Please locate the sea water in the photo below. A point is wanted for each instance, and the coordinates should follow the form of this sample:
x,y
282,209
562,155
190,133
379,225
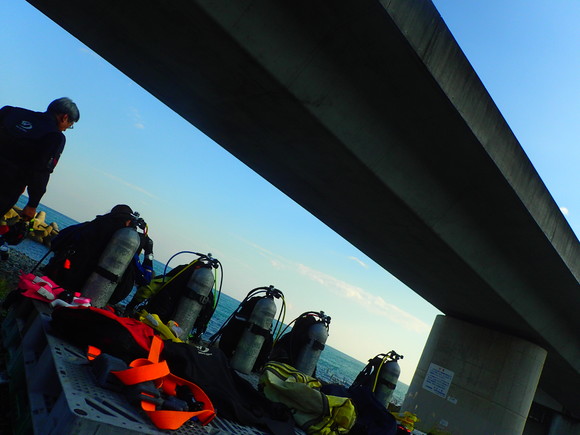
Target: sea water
x,y
333,366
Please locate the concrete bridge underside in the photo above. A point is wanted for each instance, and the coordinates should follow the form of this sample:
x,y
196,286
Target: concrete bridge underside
x,y
368,115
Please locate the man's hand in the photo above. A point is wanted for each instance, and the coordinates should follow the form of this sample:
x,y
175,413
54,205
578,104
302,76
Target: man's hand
x,y
28,213
148,248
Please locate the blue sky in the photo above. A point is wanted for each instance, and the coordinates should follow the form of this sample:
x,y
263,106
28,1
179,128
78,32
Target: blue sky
x,y
130,148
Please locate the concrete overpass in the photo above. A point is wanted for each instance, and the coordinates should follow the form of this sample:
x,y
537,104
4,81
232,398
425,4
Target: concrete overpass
x,y
368,115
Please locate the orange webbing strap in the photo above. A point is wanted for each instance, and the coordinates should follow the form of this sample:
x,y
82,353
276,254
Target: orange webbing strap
x,y
142,370
93,352
150,369
174,419
145,369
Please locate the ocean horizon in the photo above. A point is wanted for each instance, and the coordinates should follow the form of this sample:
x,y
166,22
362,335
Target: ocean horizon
x,y
333,366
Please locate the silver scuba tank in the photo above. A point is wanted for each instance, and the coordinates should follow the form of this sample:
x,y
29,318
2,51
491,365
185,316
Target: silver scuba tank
x,y
117,255
387,378
252,338
195,297
310,353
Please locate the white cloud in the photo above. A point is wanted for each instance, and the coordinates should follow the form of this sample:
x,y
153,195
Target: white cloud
x,y
372,303
136,117
564,211
277,261
129,185
359,261
84,49
276,264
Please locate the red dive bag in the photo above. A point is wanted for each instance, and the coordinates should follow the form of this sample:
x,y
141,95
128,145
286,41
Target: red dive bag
x,y
122,337
135,343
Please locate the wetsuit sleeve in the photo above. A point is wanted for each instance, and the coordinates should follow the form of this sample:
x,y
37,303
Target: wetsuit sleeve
x,y
3,112
37,187
39,172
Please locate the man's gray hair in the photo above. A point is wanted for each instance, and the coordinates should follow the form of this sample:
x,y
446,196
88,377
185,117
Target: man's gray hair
x,y
65,106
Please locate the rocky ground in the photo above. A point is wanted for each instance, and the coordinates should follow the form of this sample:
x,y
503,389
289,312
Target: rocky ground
x,y
10,270
16,264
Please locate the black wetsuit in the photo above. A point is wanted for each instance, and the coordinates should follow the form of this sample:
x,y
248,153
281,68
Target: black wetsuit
x,y
78,249
30,146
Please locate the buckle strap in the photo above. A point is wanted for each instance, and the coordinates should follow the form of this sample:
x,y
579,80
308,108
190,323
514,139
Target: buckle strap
x,y
190,294
106,274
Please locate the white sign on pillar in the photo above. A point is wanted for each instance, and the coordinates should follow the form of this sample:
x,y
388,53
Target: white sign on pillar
x,y
438,380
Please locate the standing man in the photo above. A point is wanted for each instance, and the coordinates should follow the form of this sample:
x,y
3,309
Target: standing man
x,y
30,145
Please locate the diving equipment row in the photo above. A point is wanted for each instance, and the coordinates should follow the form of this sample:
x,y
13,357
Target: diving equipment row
x,y
251,336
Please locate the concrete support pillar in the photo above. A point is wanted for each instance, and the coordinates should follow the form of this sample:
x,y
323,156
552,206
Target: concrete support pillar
x,y
564,426
473,380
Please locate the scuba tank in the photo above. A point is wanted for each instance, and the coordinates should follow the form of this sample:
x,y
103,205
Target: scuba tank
x,y
194,298
388,376
114,260
246,336
253,336
381,375
183,295
310,352
302,345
